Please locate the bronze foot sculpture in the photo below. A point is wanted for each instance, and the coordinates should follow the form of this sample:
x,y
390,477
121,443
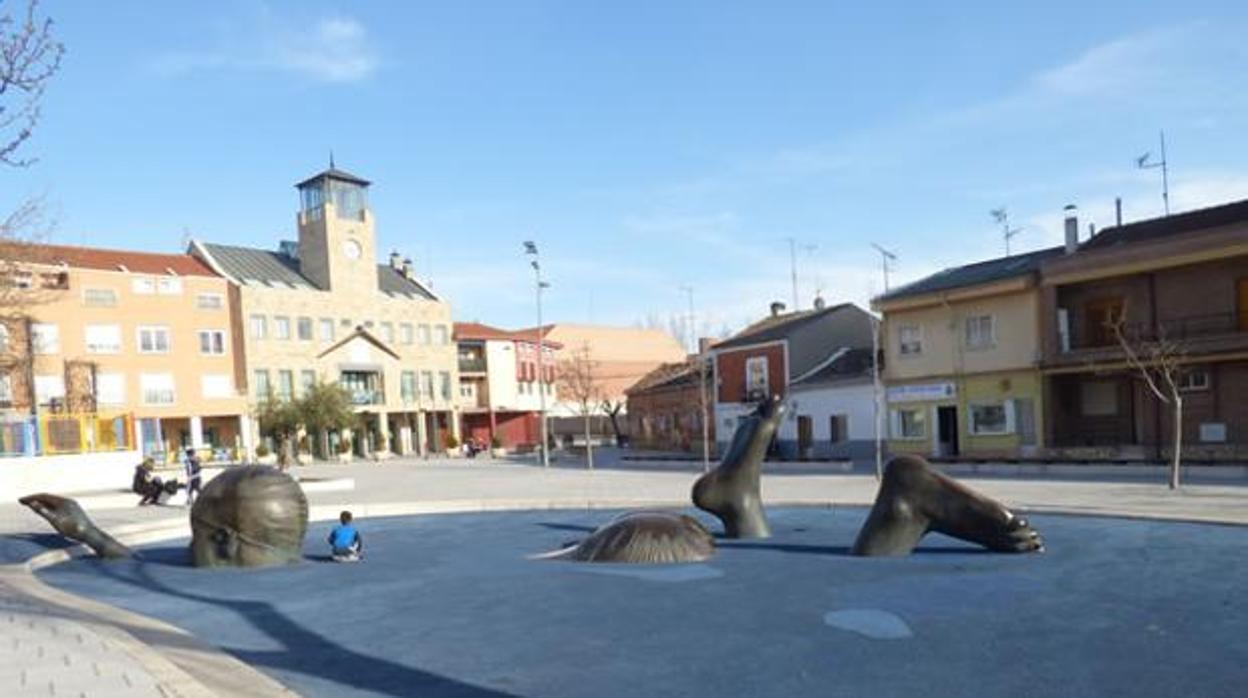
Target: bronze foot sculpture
x,y
249,516
914,499
641,537
731,490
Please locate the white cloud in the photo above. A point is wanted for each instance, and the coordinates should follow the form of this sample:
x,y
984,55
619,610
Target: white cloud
x,y
327,49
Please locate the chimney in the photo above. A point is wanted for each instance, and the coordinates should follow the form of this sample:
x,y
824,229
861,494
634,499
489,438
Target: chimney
x,y
407,268
776,308
705,344
1072,228
1118,210
395,260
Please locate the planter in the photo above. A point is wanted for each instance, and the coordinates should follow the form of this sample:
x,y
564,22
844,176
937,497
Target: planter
x,y
498,452
270,459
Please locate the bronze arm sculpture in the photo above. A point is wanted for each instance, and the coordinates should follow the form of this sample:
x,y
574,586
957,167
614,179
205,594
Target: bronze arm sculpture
x,y
915,499
642,537
731,490
249,516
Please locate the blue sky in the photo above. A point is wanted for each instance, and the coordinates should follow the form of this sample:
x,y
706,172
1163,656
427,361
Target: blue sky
x,y
645,145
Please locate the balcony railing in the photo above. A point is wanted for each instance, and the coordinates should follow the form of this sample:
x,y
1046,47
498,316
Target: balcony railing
x,y
1174,329
367,397
472,365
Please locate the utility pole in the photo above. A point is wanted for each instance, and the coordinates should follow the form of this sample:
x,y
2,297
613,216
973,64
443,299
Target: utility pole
x,y
530,248
886,258
1143,164
697,352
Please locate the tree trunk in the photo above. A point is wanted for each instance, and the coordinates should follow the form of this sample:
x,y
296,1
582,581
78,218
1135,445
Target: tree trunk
x,y
589,447
1176,457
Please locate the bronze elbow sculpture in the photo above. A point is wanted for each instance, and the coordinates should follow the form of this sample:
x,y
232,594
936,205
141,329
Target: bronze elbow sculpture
x,y
642,537
915,499
250,516
731,491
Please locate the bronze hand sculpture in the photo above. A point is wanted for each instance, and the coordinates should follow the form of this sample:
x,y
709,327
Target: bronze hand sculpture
x,y
71,521
731,491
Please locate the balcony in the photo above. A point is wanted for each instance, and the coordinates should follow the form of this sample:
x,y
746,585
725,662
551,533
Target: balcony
x,y
367,397
1196,334
472,365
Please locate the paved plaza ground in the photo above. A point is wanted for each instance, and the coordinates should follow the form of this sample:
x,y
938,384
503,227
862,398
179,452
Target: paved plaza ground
x,y
1133,606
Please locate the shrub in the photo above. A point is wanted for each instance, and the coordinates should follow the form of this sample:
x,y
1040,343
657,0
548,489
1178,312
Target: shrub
x,y
262,451
451,441
496,442
344,446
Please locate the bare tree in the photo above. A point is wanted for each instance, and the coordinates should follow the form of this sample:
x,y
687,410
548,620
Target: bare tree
x,y
1158,362
577,380
612,409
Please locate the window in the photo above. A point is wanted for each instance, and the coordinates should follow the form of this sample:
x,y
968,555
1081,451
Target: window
x,y
467,390
444,377
909,424
307,380
407,386
216,385
261,387
756,379
49,388
1098,399
303,326
426,384
387,332
6,387
45,338
910,339
838,428
209,301
156,388
441,335
281,327
143,285
1193,379
285,384
991,418
422,334
4,337
212,342
259,327
979,332
110,388
154,340
169,286
99,297
327,329
405,333
102,339
1100,318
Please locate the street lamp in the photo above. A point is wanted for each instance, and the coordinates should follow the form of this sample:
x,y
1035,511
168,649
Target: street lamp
x,y
697,351
530,248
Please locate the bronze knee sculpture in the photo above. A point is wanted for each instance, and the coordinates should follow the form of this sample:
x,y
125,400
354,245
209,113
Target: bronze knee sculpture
x,y
644,537
250,516
731,490
914,499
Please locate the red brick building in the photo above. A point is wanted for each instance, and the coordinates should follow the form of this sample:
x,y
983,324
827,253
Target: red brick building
x,y
665,407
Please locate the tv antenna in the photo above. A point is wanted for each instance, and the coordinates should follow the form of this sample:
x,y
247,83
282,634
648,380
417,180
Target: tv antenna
x,y
886,258
1142,163
1002,217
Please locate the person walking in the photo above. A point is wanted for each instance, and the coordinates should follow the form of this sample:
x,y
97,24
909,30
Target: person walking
x,y
193,480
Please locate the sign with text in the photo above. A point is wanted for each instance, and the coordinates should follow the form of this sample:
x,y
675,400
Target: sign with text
x,y
922,392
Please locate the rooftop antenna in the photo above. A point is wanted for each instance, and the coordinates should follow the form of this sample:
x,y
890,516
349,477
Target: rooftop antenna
x,y
1002,217
885,258
793,270
809,249
1143,163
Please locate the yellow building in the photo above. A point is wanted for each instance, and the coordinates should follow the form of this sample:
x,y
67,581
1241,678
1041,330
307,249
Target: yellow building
x,y
323,309
122,336
962,355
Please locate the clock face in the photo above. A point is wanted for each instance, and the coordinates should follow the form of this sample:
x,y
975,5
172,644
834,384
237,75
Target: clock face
x,y
351,248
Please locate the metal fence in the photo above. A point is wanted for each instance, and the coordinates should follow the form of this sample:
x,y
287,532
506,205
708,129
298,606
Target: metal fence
x,y
61,434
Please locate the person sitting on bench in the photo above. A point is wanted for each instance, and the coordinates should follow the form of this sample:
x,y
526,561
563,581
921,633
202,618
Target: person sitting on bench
x,y
344,541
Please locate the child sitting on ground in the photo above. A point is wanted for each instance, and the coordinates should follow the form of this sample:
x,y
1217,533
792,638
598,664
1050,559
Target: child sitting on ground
x,y
344,541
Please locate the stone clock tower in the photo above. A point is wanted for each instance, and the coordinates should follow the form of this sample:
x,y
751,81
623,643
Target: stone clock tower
x,y
337,242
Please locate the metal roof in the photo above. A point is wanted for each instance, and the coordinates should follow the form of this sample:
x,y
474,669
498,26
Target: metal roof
x,y
975,274
273,269
334,173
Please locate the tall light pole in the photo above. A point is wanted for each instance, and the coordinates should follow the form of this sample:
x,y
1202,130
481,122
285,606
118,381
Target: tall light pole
x,y
697,352
530,248
1143,163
